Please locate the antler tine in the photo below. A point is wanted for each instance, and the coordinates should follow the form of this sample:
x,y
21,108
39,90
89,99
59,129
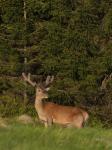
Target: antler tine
x,y
29,76
52,79
28,79
49,80
110,76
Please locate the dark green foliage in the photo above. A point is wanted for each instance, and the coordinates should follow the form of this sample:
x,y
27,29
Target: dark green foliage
x,y
69,39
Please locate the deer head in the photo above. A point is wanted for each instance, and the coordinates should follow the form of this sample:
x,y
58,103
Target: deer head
x,y
41,88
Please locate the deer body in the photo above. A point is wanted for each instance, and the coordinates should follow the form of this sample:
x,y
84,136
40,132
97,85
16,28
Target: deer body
x,y
64,115
53,113
50,113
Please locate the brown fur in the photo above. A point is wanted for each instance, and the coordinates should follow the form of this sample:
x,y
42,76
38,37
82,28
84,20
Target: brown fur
x,y
53,113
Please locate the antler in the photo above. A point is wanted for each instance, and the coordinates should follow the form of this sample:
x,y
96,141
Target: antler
x,y
49,80
28,79
105,81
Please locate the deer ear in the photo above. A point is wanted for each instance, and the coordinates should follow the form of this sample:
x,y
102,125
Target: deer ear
x,y
47,89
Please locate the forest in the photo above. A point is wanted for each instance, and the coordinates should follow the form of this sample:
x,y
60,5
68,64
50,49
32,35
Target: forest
x,y
69,39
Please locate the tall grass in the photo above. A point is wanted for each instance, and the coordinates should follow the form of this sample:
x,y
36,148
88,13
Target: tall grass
x,y
32,137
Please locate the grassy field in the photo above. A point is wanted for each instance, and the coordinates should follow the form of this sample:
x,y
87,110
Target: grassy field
x,y
36,137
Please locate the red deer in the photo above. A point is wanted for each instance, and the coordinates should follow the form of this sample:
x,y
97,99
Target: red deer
x,y
50,112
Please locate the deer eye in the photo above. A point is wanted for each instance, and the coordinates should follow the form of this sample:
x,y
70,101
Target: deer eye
x,y
39,90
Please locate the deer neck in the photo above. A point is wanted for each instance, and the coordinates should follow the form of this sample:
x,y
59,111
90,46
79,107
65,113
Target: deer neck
x,y
39,106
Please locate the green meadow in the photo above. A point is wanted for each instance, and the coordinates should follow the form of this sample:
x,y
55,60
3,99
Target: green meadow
x,y
35,137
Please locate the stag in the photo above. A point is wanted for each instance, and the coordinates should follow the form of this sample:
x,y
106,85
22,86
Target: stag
x,y
50,112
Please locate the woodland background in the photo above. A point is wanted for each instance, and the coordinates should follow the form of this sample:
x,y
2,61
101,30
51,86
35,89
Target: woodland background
x,y
70,39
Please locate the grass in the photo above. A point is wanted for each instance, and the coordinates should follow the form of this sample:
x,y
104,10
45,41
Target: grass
x,y
36,137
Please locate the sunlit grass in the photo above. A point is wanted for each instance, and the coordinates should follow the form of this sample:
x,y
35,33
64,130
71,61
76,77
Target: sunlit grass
x,y
36,137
